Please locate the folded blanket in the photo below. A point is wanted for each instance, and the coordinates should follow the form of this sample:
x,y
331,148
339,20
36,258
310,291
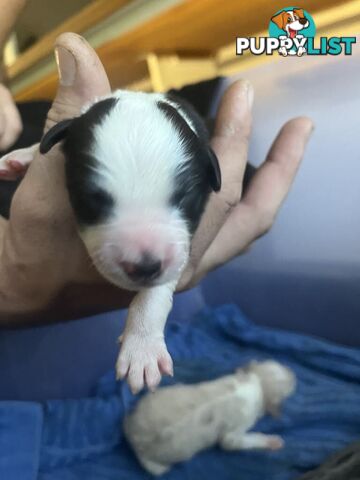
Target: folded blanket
x,y
78,439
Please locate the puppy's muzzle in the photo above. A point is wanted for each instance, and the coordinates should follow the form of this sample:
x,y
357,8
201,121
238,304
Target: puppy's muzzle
x,y
149,268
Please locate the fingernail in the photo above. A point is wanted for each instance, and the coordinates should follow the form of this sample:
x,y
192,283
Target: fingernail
x,y
311,130
66,65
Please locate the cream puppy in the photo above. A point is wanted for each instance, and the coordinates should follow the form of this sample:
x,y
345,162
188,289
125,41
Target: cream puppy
x,y
174,423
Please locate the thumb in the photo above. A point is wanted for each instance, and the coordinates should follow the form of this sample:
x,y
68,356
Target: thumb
x,y
82,78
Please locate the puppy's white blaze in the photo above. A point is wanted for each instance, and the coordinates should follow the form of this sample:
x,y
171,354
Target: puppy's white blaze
x,y
138,163
155,97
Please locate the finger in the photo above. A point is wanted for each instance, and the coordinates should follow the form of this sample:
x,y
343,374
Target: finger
x,y
230,143
231,138
82,77
10,120
12,130
2,120
272,182
268,189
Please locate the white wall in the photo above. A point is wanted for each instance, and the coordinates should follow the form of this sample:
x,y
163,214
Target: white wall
x,y
320,221
305,274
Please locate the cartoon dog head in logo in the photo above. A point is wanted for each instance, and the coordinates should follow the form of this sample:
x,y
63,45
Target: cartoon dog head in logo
x,y
291,21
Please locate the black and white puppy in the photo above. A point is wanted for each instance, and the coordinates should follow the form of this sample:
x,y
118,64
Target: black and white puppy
x,y
139,171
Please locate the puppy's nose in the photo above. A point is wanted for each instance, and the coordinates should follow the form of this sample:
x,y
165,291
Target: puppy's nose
x,y
148,268
303,21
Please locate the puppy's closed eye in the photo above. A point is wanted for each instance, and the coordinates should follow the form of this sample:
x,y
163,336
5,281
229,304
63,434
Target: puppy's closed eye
x,y
92,205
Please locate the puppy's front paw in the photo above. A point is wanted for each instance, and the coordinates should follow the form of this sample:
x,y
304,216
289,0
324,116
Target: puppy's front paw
x,y
143,360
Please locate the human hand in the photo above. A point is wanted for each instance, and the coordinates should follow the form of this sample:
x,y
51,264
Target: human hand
x,y
234,219
10,120
45,271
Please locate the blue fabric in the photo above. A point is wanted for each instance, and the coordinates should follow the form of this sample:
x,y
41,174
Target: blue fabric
x,y
20,440
78,439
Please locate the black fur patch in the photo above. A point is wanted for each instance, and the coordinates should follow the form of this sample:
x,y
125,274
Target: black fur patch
x,y
197,121
91,204
193,184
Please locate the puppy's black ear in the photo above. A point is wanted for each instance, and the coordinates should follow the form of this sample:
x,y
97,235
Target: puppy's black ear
x,y
55,135
214,170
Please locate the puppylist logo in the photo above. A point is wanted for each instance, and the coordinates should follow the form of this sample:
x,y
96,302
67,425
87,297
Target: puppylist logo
x,y
291,33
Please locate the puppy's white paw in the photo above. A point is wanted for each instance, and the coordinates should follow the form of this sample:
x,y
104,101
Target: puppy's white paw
x,y
143,360
274,442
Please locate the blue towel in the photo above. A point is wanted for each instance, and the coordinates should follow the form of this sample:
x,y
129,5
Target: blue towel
x,y
82,439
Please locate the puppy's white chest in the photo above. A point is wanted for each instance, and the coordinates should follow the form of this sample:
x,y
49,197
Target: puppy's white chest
x,y
247,403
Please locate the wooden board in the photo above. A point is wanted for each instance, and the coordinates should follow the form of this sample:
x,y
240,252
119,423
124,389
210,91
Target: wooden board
x,y
203,25
193,27
89,16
